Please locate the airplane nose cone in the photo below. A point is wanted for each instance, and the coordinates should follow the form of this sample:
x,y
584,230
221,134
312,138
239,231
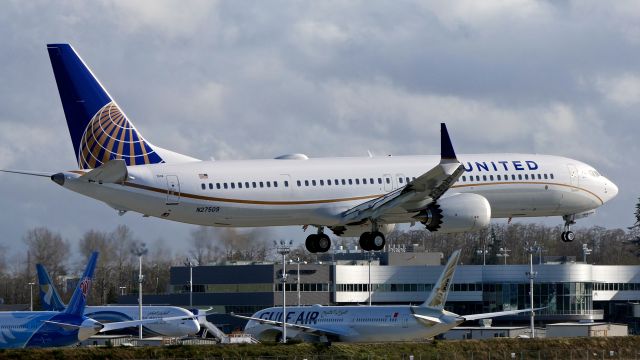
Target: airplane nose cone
x,y
610,189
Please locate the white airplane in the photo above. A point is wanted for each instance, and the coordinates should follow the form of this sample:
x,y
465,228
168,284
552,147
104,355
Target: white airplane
x,y
29,329
362,197
319,323
184,322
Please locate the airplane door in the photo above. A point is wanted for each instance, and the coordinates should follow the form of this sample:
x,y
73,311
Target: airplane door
x,y
574,178
400,180
173,190
387,180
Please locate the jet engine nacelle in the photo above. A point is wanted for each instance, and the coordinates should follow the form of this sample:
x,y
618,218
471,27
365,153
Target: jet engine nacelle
x,y
456,213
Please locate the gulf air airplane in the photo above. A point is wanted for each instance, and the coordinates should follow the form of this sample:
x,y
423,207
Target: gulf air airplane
x,y
319,323
350,196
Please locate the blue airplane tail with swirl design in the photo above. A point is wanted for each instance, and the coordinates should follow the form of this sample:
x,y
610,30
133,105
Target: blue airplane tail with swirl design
x,y
79,298
100,131
50,300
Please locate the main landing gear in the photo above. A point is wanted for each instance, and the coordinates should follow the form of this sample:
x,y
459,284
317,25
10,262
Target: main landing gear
x,y
318,243
373,240
568,235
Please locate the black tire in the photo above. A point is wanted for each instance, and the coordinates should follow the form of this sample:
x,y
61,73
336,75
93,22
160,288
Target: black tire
x,y
377,241
570,236
323,243
365,241
311,243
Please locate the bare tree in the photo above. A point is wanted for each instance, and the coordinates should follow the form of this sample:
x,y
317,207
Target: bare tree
x,y
49,249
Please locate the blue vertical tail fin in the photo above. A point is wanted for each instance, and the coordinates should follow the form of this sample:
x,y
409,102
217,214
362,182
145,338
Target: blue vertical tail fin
x,y
99,129
49,297
79,298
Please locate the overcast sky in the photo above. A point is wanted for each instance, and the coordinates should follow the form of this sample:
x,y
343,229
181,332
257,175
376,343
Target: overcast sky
x,y
257,79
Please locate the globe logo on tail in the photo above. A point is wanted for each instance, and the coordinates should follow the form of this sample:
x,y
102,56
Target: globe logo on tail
x,y
110,135
84,287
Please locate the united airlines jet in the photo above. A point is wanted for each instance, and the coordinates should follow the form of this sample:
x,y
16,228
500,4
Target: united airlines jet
x,y
26,329
184,321
319,323
362,197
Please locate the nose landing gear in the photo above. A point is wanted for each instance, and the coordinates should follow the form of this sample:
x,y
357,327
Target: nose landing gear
x,y
568,235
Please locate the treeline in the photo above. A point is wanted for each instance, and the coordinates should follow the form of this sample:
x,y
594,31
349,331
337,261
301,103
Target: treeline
x,y
117,269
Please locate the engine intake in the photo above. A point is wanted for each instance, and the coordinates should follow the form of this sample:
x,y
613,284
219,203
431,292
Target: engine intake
x,y
456,213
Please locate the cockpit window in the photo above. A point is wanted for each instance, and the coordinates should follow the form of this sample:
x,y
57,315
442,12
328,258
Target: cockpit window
x,y
593,173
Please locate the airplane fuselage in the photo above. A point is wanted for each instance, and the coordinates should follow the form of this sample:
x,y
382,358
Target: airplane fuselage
x,y
276,192
355,323
20,329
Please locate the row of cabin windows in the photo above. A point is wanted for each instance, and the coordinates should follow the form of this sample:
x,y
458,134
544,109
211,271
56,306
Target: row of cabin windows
x,y
472,178
245,185
356,181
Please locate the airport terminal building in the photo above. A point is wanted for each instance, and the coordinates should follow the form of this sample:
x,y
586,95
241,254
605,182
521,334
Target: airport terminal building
x,y
569,291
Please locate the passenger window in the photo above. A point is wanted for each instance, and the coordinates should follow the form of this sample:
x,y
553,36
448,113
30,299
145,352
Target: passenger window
x,y
306,183
371,181
545,176
225,186
513,176
539,176
414,178
400,180
519,176
484,177
239,185
350,182
254,184
275,184
357,181
388,180
233,185
364,181
464,178
261,184
217,185
491,177
298,183
408,180
329,182
268,184
321,182
246,184
203,187
335,181
379,180
344,182
286,183
499,177
526,176
313,182
551,175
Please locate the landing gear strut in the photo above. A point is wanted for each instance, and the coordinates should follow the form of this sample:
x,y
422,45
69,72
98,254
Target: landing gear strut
x,y
372,241
318,243
568,235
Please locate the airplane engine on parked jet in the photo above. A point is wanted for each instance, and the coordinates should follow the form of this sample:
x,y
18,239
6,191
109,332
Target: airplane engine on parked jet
x,y
456,213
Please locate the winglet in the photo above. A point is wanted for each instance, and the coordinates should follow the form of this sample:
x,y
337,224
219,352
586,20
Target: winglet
x,y
438,295
79,298
446,148
49,297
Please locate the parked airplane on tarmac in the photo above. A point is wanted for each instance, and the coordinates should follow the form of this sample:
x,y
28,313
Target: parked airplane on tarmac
x,y
367,323
20,329
363,197
184,322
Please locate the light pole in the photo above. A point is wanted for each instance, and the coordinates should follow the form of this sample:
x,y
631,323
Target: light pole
x,y
585,251
369,287
139,249
190,263
31,296
531,275
122,288
284,249
504,252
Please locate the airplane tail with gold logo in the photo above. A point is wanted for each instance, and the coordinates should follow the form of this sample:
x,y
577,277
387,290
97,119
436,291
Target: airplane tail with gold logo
x,y
100,131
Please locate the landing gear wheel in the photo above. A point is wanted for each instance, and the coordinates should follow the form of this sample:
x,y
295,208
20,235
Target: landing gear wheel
x,y
323,243
312,243
568,236
377,240
365,241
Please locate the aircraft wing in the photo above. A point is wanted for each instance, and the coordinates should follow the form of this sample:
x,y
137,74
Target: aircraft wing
x,y
496,314
304,328
133,323
417,194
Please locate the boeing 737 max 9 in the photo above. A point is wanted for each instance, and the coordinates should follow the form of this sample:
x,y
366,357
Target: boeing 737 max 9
x,y
363,197
319,323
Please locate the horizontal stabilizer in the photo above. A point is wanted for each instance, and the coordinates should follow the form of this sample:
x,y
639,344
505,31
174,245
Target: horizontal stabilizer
x,y
113,171
497,314
428,319
64,325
